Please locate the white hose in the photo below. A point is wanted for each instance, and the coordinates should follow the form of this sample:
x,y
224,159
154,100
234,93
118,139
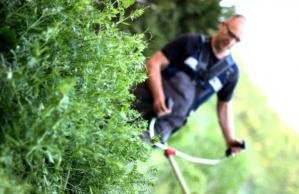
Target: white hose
x,y
179,153
190,158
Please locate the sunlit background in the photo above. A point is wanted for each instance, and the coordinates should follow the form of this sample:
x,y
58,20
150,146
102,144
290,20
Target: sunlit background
x,y
269,52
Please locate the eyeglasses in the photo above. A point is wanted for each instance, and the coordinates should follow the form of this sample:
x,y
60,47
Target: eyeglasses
x,y
232,34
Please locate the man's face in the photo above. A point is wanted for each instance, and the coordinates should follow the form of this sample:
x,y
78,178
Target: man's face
x,y
229,34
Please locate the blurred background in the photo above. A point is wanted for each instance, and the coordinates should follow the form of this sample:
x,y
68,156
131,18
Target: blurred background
x,y
265,102
269,52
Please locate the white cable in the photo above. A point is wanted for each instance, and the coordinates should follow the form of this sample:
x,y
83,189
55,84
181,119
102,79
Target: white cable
x,y
179,153
151,128
188,157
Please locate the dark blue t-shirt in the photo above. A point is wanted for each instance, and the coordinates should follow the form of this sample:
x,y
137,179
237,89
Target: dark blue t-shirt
x,y
180,49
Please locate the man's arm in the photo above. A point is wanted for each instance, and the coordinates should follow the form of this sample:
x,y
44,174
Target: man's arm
x,y
226,122
153,67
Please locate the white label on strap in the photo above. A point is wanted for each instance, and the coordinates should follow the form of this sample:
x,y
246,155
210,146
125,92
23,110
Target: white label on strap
x,y
215,83
191,62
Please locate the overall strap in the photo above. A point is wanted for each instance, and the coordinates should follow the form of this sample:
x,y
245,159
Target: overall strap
x,y
204,72
197,67
220,67
203,52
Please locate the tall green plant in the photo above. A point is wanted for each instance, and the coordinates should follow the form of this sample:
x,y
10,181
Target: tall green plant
x,y
64,103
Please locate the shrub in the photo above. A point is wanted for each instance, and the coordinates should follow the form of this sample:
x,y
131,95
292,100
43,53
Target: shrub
x,y
64,103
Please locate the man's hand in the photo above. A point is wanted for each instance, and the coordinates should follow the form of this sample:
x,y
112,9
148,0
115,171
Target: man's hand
x,y
234,147
157,62
160,107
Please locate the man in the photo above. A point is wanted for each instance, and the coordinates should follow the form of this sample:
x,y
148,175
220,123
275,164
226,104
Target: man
x,y
189,70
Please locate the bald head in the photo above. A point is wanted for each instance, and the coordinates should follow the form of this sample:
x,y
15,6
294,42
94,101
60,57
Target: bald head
x,y
230,32
237,24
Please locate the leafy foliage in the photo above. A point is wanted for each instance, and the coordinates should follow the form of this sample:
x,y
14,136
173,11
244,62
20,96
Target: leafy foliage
x,y
65,120
65,107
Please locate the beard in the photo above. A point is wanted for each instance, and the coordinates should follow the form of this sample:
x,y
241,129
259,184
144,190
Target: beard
x,y
222,45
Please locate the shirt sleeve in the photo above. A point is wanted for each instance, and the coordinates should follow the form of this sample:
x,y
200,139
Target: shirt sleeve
x,y
181,47
226,93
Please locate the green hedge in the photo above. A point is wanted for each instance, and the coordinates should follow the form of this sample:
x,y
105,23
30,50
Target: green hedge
x,y
64,103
